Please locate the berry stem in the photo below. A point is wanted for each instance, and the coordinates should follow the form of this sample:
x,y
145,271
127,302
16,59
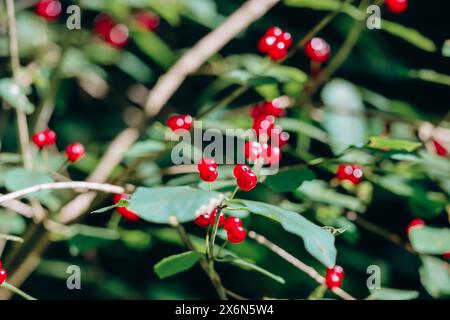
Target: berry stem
x,y
63,166
17,291
114,221
221,248
234,193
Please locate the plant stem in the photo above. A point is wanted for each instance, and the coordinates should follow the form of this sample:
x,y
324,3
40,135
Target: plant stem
x,y
10,237
234,193
17,291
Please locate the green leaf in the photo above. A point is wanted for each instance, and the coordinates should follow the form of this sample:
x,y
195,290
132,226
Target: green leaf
x,y
154,47
19,178
435,276
14,95
11,222
393,144
86,237
408,34
145,148
430,240
446,48
392,294
158,205
318,242
177,263
289,179
250,266
317,190
134,67
430,76
136,239
120,203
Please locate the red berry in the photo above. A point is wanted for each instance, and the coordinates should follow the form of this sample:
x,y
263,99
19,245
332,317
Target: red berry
x,y
212,218
286,37
263,124
232,223
397,6
265,43
274,31
246,180
118,36
277,51
239,169
125,212
183,121
50,10
39,139
445,255
440,149
236,235
103,24
207,168
276,107
74,152
334,276
317,50
271,154
50,136
252,150
3,276
353,173
147,20
415,223
279,137
202,220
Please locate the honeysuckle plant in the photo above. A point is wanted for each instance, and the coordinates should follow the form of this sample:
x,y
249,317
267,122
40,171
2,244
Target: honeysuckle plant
x,y
192,140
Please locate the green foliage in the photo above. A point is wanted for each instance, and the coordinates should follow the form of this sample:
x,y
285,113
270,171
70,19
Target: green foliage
x,y
177,263
428,240
289,179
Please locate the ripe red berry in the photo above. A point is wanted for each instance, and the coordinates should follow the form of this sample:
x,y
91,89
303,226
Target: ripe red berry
x,y
265,43
415,223
397,6
239,169
202,220
352,173
50,10
118,36
39,139
274,31
50,136
271,154
207,168
252,150
103,24
232,223
263,124
275,43
317,50
236,235
183,121
440,149
147,20
3,275
279,137
246,180
445,255
74,152
334,276
212,218
278,51
125,212
114,34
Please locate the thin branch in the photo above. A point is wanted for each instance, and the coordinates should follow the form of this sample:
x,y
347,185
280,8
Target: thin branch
x,y
310,271
10,237
17,291
63,185
19,207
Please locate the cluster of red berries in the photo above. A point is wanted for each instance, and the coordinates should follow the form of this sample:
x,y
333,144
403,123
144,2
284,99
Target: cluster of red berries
x,y
397,6
270,136
183,121
50,10
232,225
128,214
350,172
275,43
334,277
317,50
74,151
3,274
116,34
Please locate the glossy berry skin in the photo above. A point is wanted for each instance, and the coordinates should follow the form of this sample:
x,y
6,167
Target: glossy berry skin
x,y
415,223
74,152
397,6
183,121
212,218
50,10
3,275
50,136
352,173
147,20
263,124
275,108
279,137
236,235
271,154
112,33
440,149
231,223
207,168
125,212
334,276
39,139
202,220
252,150
247,180
275,43
317,50
240,169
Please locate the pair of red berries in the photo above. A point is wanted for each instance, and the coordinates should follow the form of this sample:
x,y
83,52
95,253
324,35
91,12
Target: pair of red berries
x,y
275,43
350,172
3,274
397,6
270,154
44,138
115,34
232,225
125,212
50,10
334,277
178,122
